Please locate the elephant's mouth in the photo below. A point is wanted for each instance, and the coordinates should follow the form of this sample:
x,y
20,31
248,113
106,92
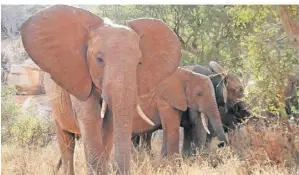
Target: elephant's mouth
x,y
138,109
97,91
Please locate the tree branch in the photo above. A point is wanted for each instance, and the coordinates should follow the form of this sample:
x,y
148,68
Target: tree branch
x,y
289,25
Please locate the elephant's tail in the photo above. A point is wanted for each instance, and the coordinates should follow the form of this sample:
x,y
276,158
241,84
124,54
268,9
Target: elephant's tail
x,y
59,164
60,159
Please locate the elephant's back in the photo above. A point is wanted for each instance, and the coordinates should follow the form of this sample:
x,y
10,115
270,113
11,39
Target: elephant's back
x,y
199,69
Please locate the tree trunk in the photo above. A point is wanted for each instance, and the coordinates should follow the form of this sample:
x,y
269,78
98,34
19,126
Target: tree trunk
x,y
289,26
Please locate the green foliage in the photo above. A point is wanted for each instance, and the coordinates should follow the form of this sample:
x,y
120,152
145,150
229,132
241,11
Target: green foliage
x,y
270,55
189,59
295,105
9,112
24,128
32,130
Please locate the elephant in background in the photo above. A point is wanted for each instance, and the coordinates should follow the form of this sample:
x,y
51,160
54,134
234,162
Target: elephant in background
x,y
228,89
232,110
184,89
89,61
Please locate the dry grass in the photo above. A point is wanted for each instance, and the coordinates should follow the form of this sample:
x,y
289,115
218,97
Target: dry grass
x,y
265,151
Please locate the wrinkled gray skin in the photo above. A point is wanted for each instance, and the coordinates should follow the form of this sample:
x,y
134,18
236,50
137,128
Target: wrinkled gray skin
x,y
193,130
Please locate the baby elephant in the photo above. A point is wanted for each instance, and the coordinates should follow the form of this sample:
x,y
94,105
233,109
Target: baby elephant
x,y
185,89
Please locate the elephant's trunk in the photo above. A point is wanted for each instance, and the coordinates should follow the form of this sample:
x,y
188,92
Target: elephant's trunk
x,y
215,120
123,106
120,93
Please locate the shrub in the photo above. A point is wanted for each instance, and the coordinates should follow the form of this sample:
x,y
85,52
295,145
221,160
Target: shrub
x,y
32,130
9,112
266,146
24,128
189,59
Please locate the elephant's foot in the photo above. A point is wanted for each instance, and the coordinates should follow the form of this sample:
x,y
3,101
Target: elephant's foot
x,y
189,152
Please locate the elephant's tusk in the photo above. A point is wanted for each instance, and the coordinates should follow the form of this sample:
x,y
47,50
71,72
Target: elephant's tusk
x,y
143,116
104,107
204,122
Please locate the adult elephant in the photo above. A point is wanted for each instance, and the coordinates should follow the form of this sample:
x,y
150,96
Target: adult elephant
x,y
91,60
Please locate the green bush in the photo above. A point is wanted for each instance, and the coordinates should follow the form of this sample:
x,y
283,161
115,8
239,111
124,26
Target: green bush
x,y
32,130
294,105
9,112
24,128
189,59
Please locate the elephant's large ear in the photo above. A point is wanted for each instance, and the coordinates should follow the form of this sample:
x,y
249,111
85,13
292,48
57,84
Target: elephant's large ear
x,y
56,40
161,52
173,91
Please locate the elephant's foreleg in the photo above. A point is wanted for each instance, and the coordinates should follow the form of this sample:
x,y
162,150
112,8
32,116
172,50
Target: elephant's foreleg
x,y
199,133
187,149
66,142
170,118
164,144
90,124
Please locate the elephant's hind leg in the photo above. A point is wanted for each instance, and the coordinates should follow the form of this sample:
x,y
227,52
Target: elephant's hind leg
x,y
66,142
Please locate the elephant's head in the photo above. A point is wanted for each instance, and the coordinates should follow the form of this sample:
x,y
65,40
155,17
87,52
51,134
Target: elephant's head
x,y
87,55
217,80
236,115
234,84
186,89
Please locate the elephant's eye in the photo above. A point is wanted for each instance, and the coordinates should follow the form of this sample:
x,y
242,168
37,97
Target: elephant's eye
x,y
140,62
199,93
100,60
